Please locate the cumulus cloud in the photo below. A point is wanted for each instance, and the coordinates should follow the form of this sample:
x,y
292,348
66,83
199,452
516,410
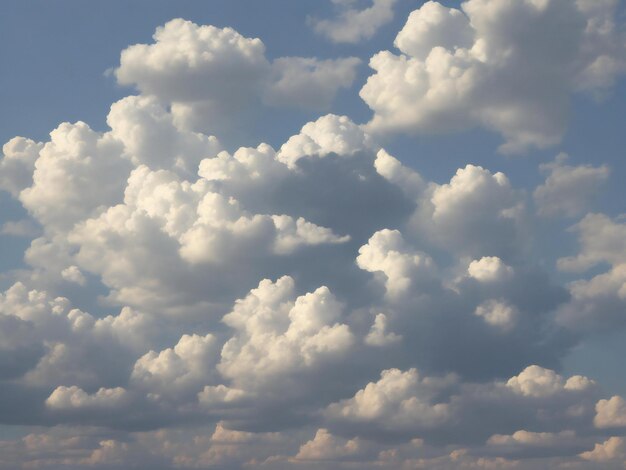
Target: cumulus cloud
x,y
279,334
477,67
568,190
64,398
387,253
324,446
478,213
211,75
353,25
597,303
489,269
613,449
611,413
190,303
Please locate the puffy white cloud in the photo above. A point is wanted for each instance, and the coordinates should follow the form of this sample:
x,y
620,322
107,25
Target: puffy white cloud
x,y
386,252
477,67
324,446
63,190
398,400
73,274
489,269
614,448
173,371
601,239
191,224
353,25
597,303
329,134
568,190
498,314
528,438
378,334
212,75
535,381
152,137
278,333
478,213
611,413
17,164
71,398
157,219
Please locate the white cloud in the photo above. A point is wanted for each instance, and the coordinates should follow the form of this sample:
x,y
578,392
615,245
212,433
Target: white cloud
x,y
489,269
324,446
69,398
17,164
569,190
386,252
378,334
353,25
611,413
536,381
478,213
476,67
278,333
329,134
614,448
498,314
398,400
173,371
597,303
216,73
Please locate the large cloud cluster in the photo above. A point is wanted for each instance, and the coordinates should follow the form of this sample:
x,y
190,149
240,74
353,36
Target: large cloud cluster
x,y
320,304
508,66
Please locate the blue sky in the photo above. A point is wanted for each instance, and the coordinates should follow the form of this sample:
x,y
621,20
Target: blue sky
x,y
511,284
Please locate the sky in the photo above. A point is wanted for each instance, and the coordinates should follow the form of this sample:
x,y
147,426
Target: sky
x,y
313,234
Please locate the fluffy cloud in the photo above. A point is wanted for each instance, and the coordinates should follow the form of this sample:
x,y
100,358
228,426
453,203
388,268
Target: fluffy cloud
x,y
489,269
398,400
568,190
603,296
478,213
16,167
353,25
611,413
277,334
476,67
613,449
64,398
386,252
324,446
212,75
63,192
318,302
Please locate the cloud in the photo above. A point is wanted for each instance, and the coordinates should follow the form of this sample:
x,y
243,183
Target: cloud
x,y
597,303
475,67
324,447
190,303
353,25
614,448
611,413
568,190
63,398
213,76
